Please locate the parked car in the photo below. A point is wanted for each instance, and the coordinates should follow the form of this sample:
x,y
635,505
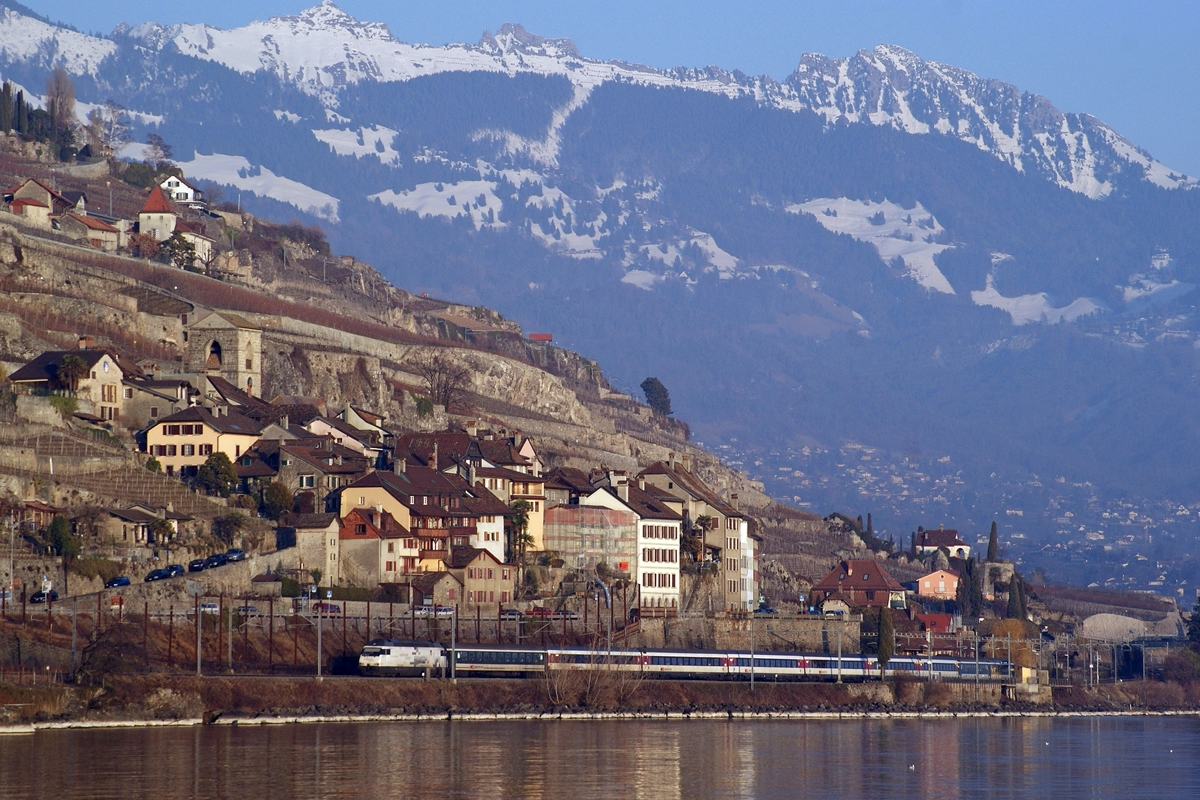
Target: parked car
x,y
563,613
247,611
157,575
433,611
210,608
765,609
236,554
42,597
539,611
510,613
216,560
324,607
196,565
113,583
174,570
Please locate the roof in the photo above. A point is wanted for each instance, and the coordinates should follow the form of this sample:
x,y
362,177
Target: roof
x,y
21,202
451,448
502,452
92,223
193,230
308,521
570,478
425,582
938,571
687,482
942,537
859,575
132,515
388,527
231,422
45,366
646,505
233,319
368,416
461,557
157,203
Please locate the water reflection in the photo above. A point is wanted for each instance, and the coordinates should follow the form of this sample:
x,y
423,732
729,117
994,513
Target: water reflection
x,y
653,760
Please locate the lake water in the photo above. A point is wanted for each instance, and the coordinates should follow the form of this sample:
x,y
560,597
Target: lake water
x,y
932,758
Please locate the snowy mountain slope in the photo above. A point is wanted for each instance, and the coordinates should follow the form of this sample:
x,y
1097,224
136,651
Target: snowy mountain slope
x,y
892,86
324,51
26,39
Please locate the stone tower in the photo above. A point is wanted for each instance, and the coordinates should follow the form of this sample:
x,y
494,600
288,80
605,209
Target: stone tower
x,y
229,346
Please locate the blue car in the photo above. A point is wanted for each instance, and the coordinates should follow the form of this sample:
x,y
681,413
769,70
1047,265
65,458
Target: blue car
x,y
216,560
113,583
174,570
157,575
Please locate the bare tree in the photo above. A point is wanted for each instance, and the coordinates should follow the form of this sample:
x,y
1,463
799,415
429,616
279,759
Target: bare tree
x,y
107,129
60,99
157,153
446,380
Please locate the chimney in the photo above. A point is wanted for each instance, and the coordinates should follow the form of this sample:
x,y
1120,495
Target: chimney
x,y
642,484
623,491
471,475
434,463
87,342
733,501
687,463
472,428
399,466
283,421
671,460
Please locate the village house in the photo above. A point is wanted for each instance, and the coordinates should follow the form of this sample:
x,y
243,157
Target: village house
x,y
655,565
157,216
183,441
941,584
374,549
310,541
146,400
92,231
485,579
926,542
310,468
100,383
863,582
180,190
35,194
727,538
434,589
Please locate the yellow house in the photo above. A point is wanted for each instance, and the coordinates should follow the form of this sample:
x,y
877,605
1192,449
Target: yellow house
x,y
184,440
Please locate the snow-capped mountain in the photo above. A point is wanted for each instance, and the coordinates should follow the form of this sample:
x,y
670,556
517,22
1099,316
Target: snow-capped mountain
x,y
323,50
27,40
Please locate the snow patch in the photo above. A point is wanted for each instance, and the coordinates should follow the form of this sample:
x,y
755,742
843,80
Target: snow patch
x,y
1029,308
474,199
236,171
374,141
643,279
287,115
909,234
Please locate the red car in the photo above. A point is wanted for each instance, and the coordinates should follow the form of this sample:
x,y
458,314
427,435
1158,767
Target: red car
x,y
323,607
539,611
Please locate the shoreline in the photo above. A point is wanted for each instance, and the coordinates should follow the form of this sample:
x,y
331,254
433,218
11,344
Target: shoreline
x,y
234,719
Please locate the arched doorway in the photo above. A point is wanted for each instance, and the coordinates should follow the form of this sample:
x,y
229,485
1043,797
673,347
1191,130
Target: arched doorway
x,y
214,356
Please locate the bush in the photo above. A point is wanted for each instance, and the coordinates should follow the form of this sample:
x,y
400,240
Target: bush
x,y
1182,666
102,568
64,405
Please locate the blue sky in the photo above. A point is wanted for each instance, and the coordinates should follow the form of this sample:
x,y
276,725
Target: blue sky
x,y
1133,65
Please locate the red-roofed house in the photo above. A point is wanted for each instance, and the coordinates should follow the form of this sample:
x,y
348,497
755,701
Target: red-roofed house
x,y
925,542
91,230
157,216
374,548
864,581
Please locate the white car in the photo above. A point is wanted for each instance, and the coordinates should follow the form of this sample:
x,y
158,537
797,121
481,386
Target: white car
x,y
440,612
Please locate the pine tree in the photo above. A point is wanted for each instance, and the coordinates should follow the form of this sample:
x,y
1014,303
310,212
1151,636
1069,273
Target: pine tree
x,y
993,544
657,396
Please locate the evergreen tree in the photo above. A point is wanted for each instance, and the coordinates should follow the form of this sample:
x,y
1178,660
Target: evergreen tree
x,y
1016,601
217,474
65,543
657,396
1193,625
993,544
6,107
887,640
21,114
870,525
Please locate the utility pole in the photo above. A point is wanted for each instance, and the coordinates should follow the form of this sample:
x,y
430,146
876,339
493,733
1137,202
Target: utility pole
x,y
319,607
752,653
839,663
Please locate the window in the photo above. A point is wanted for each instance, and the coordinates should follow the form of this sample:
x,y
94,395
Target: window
x,y
504,574
187,450
307,481
360,529
249,363
170,449
389,566
391,547
153,412
245,461
206,450
128,393
172,430
450,594
237,450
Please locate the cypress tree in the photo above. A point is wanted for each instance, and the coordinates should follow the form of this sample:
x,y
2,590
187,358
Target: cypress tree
x,y
993,544
21,114
887,640
870,525
1016,602
6,107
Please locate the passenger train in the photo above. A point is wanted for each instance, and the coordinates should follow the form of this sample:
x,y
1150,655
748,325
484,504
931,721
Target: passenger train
x,y
395,657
